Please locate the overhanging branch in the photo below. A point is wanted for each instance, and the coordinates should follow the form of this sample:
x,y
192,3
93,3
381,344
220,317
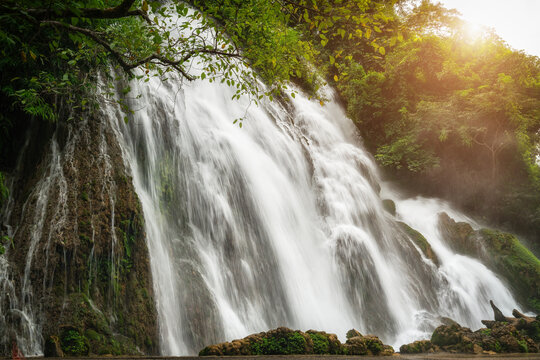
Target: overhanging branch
x,y
154,58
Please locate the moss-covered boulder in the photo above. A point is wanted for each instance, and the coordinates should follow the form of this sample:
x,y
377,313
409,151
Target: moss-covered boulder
x,y
281,341
500,337
502,253
366,345
325,343
284,341
420,241
352,333
417,347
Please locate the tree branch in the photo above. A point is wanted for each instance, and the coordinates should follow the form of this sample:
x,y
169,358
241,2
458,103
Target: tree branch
x,y
154,58
120,11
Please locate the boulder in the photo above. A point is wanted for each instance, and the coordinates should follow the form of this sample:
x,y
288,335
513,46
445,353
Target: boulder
x,y
284,341
420,241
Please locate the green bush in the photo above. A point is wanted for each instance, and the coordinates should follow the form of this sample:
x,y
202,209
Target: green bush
x,y
292,343
320,343
73,343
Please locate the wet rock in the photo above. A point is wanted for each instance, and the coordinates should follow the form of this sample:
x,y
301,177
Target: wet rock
x,y
353,333
420,241
499,337
447,321
356,346
417,347
390,206
366,345
284,341
500,252
90,269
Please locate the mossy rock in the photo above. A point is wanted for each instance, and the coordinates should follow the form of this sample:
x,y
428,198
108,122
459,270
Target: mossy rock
x,y
421,242
445,335
417,347
502,253
284,341
500,337
390,206
516,263
281,341
366,345
324,343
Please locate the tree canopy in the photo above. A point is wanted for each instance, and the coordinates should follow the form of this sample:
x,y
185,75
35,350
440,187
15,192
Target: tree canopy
x,y
433,106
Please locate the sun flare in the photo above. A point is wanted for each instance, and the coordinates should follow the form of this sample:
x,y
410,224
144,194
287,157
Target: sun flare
x,y
473,31
516,23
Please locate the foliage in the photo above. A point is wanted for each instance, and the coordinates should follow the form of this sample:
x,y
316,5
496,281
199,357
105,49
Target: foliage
x,y
289,343
453,116
320,343
73,343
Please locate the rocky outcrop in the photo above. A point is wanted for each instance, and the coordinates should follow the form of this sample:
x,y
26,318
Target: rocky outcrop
x,y
389,206
79,251
502,253
513,335
420,241
284,341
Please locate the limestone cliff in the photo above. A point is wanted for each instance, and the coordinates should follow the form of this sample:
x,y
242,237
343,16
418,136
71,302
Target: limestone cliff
x,y
75,274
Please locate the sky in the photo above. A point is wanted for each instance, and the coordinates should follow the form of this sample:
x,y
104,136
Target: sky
x,y
516,21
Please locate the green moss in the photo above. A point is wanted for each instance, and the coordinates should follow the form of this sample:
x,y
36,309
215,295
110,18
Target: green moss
x,y
486,331
523,346
320,343
73,343
148,342
516,263
374,345
92,335
286,344
84,238
2,249
84,196
446,335
420,241
533,331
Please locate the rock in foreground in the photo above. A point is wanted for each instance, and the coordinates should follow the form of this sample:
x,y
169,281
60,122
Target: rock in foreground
x,y
284,341
520,334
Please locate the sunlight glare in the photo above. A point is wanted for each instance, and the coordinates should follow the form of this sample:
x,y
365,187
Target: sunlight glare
x,y
473,31
515,21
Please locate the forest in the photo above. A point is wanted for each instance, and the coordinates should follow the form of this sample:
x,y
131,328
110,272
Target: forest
x,y
444,114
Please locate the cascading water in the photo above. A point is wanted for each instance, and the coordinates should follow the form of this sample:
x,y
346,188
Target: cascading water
x,y
280,224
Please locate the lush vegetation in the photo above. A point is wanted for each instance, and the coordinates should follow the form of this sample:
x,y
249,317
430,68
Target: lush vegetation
x,y
448,115
453,116
284,341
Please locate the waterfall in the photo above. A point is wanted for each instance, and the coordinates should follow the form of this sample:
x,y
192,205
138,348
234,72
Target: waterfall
x,y
280,223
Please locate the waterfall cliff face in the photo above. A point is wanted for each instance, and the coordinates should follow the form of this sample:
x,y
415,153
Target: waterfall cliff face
x,y
280,223
76,264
